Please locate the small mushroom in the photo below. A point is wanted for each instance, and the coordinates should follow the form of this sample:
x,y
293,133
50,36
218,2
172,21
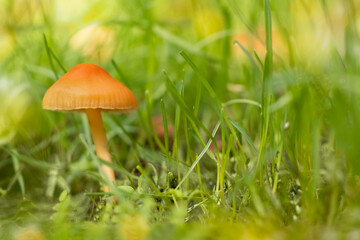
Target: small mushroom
x,y
88,88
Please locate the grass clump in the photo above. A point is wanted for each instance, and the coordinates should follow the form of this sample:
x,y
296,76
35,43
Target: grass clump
x,y
247,125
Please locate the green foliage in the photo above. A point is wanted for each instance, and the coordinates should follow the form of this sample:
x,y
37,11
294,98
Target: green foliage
x,y
247,125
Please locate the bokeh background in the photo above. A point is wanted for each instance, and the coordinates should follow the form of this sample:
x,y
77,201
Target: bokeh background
x,y
145,37
314,109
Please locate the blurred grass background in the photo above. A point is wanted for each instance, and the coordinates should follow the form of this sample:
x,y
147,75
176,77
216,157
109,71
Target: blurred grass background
x,y
281,101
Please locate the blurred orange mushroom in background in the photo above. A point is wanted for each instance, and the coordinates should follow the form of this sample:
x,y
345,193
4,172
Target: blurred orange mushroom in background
x,y
256,43
95,41
90,89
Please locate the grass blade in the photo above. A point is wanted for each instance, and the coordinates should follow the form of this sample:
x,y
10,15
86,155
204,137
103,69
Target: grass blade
x,y
246,101
258,59
42,165
246,136
253,64
268,67
121,74
48,52
165,124
57,60
17,169
177,97
203,80
199,156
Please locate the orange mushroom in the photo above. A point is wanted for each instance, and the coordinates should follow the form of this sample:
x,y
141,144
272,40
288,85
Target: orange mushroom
x,y
90,89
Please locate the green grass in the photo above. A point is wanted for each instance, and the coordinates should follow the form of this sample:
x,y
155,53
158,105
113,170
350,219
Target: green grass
x,y
247,126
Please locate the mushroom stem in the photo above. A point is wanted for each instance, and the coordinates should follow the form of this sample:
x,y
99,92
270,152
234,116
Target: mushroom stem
x,y
101,144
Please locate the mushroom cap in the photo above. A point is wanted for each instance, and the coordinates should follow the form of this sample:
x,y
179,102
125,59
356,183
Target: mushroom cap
x,y
88,86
